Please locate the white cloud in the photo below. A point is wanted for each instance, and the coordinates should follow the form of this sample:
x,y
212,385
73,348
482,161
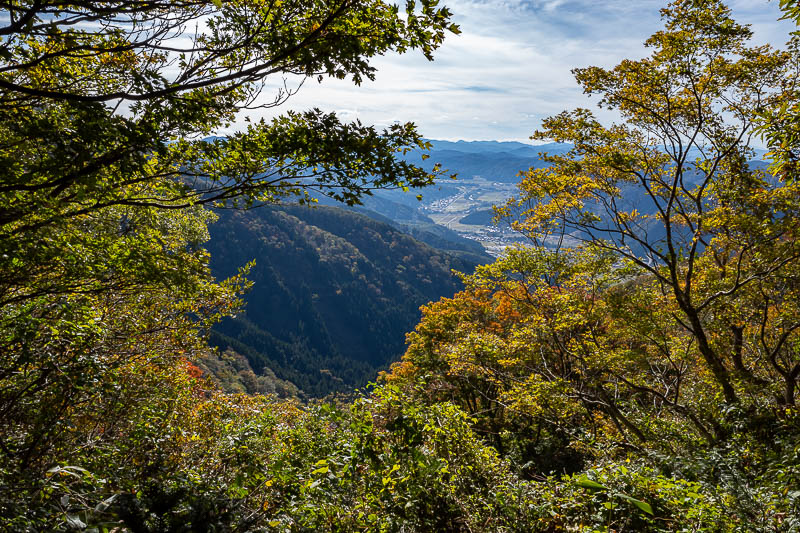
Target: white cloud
x,y
511,66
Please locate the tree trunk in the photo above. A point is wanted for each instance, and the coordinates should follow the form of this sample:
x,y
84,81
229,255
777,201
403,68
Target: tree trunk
x,y
714,364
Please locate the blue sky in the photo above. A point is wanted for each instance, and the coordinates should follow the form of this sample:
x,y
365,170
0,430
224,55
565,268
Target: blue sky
x,y
510,67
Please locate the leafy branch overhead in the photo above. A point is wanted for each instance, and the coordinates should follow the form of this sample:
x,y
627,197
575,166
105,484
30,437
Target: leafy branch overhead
x,y
113,87
153,51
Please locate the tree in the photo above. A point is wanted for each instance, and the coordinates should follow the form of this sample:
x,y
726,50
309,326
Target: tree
x,y
105,175
672,190
780,124
120,94
657,310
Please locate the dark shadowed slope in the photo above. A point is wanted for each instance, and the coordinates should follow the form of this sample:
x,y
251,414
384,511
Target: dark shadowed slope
x,y
335,292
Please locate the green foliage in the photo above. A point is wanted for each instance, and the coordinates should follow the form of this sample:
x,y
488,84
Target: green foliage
x,y
105,176
670,191
189,459
393,464
232,372
780,124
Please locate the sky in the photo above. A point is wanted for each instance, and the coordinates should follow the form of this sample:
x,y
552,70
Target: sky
x,y
510,67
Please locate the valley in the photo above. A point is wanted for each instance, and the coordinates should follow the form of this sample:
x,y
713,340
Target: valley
x,y
469,213
486,175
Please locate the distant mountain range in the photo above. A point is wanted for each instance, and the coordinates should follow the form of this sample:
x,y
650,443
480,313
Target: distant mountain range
x,y
490,160
510,147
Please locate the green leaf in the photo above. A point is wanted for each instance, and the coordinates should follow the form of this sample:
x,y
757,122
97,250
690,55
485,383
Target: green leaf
x,y
643,506
587,483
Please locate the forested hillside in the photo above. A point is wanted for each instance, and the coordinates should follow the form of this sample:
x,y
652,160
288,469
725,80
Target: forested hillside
x,y
334,292
402,212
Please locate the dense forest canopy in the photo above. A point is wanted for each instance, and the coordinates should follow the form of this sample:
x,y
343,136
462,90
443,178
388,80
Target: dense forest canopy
x,y
636,369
